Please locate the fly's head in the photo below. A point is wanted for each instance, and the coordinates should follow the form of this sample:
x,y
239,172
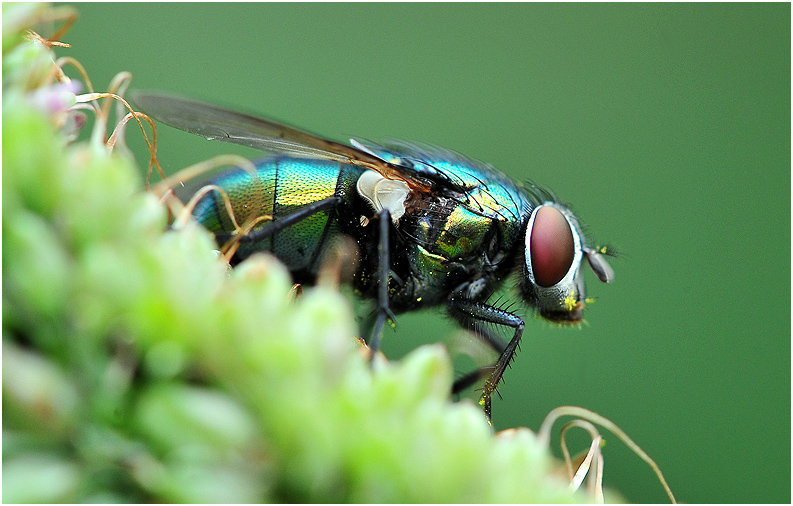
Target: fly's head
x,y
555,248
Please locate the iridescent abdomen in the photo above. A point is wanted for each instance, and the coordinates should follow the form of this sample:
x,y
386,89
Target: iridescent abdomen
x,y
284,185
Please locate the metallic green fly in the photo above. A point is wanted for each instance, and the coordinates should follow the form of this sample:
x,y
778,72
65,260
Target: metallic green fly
x,y
433,227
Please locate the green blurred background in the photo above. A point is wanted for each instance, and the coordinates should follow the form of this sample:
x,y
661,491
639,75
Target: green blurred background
x,y
666,126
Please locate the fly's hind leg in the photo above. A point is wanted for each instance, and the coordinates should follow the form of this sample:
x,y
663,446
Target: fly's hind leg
x,y
281,223
467,311
229,242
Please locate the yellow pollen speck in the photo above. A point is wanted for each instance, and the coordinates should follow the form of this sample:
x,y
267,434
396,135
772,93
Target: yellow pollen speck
x,y
570,302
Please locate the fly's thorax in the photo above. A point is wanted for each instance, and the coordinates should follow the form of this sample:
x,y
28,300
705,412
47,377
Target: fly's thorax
x,y
555,248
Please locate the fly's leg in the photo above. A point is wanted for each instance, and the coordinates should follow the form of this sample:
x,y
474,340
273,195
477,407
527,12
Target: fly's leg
x,y
384,262
383,275
470,379
475,376
287,221
466,310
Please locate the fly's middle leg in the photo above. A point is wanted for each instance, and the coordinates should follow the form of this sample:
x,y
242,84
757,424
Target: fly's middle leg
x,y
383,275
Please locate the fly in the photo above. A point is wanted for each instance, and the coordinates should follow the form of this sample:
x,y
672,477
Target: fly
x,y
434,228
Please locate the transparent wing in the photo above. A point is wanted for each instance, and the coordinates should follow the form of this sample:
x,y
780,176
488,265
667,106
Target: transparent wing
x,y
217,123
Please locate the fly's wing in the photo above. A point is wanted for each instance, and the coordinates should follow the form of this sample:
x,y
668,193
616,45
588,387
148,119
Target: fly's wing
x,y
218,123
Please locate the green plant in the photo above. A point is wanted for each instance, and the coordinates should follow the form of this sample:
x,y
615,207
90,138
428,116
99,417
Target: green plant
x,y
138,367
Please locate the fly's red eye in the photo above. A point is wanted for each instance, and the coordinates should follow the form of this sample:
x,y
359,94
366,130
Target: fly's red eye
x,y
551,246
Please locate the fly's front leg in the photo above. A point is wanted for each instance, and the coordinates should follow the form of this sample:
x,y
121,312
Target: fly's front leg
x,y
383,274
466,310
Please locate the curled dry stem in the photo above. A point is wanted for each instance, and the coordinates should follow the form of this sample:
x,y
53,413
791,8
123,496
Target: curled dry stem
x,y
202,167
544,436
89,100
102,118
57,71
294,293
585,460
230,247
184,212
63,13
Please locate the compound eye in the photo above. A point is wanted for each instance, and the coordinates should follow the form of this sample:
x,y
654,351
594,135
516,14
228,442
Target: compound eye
x,y
551,246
